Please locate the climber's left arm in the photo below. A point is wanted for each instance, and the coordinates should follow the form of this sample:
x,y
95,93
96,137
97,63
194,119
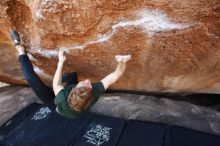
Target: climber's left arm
x,y
114,76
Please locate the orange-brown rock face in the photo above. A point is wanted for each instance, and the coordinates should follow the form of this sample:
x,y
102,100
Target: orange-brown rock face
x,y
175,44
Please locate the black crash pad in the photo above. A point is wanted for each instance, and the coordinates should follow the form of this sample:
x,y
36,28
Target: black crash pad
x,y
40,125
186,137
45,127
137,133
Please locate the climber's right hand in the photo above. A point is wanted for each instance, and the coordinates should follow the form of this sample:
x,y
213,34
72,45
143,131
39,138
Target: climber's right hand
x,y
62,57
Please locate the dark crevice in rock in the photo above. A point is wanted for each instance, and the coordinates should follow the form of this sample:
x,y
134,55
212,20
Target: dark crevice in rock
x,y
202,99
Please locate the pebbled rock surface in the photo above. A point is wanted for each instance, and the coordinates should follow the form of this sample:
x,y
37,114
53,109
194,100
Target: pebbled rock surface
x,y
127,106
175,44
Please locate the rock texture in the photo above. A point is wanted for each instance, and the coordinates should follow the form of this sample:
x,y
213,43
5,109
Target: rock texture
x,y
126,106
175,44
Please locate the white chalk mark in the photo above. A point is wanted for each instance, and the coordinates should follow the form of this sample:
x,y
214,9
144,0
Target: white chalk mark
x,y
49,53
41,114
39,14
152,21
45,52
98,135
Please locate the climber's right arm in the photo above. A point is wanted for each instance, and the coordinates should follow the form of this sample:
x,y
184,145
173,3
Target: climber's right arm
x,y
57,87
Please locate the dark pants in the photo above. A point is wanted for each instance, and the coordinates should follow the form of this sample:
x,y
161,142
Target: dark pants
x,y
42,91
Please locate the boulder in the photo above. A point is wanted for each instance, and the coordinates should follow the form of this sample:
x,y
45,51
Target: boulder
x,y
175,44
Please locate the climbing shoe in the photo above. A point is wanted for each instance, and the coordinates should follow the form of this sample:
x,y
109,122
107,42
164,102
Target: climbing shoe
x,y
15,37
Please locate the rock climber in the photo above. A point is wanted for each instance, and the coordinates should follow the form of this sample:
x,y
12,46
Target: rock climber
x,y
75,99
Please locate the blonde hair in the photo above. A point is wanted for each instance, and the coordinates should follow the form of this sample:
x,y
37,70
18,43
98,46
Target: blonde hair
x,y
80,98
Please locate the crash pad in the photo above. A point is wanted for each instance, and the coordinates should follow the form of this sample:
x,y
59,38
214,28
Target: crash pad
x,y
39,124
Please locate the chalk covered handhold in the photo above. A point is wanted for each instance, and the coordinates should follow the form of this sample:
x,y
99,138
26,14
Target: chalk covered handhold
x,y
122,58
